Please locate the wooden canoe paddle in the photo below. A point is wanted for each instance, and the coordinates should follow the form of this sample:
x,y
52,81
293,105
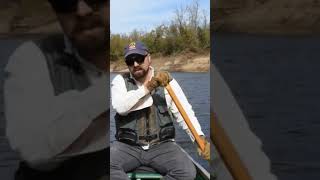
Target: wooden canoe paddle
x,y
227,151
198,139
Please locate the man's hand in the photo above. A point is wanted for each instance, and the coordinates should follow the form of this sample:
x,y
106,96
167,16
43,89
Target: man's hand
x,y
152,84
161,78
206,152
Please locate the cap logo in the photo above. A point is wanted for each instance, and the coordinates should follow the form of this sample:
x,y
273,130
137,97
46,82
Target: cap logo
x,y
132,46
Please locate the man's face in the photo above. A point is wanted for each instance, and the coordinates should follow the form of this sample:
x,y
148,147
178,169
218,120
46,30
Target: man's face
x,y
85,22
138,65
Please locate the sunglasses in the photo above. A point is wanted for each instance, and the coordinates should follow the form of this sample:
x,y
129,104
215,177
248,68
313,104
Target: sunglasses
x,y
68,6
135,58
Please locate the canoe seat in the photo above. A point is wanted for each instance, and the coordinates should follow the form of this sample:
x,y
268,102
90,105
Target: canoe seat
x,y
145,169
144,172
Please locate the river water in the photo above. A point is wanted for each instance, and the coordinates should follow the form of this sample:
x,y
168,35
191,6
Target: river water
x,y
196,87
275,80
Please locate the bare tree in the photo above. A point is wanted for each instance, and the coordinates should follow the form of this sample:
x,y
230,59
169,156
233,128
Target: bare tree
x,y
193,13
179,19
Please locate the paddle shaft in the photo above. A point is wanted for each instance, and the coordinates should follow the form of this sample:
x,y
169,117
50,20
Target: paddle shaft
x,y
183,113
227,151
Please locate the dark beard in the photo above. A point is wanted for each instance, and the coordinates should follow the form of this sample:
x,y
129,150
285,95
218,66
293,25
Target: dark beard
x,y
141,76
91,45
94,43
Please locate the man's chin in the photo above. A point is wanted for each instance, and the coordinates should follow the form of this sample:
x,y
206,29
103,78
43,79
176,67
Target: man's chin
x,y
93,38
139,74
94,32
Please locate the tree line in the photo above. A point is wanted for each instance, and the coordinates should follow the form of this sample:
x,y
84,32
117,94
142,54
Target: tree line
x,y
188,31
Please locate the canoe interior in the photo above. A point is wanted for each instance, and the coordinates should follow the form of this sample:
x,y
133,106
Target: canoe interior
x,y
202,173
146,175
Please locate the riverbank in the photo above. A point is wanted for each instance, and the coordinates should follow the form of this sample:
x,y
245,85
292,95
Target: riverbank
x,y
186,62
22,17
277,17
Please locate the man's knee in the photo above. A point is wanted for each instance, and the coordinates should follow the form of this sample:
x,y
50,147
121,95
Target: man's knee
x,y
115,164
193,172
190,172
186,172
116,171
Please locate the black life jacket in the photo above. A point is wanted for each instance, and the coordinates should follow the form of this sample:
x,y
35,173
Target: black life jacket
x,y
150,125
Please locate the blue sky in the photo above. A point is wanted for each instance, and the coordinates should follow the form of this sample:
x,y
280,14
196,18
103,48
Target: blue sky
x,y
127,15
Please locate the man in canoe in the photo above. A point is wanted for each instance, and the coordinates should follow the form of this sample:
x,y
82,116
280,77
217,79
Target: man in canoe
x,y
56,97
144,120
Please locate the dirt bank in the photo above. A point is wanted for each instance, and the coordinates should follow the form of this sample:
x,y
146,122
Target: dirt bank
x,y
24,17
179,63
269,17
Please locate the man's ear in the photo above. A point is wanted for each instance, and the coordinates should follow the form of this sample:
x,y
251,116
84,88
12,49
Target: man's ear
x,y
149,59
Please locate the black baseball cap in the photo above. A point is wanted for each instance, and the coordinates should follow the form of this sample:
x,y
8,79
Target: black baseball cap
x,y
135,48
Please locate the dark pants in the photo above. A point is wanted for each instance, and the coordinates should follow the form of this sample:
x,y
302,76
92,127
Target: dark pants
x,y
167,159
89,166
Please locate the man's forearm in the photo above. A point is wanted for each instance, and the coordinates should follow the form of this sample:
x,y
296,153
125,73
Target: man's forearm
x,y
49,118
77,116
97,128
123,102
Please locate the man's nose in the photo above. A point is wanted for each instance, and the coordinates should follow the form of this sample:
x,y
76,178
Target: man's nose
x,y
135,64
83,8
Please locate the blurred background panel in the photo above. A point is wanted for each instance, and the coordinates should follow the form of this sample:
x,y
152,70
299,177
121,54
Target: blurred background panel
x,y
268,54
19,17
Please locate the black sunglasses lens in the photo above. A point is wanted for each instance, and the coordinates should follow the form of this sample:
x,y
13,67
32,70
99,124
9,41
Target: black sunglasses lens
x,y
130,62
64,6
140,59
95,4
135,58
